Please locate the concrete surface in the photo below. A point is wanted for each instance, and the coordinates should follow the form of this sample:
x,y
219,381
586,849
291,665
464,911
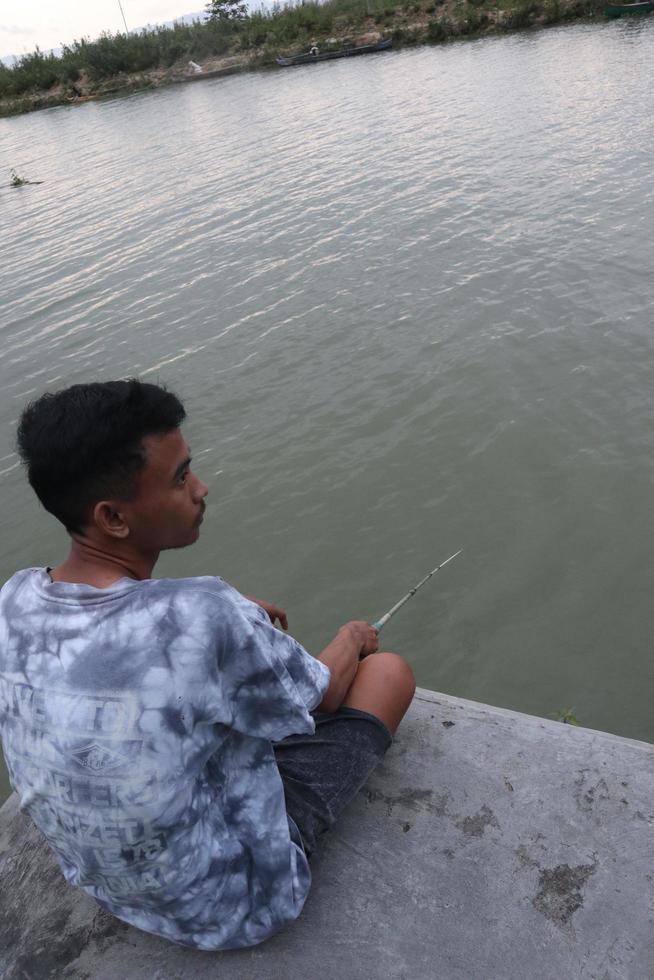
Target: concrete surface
x,y
488,845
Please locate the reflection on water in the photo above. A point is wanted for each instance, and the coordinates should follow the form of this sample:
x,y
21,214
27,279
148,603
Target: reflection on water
x,y
406,299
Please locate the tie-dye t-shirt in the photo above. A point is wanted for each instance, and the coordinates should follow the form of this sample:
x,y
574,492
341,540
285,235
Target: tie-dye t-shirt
x,y
137,724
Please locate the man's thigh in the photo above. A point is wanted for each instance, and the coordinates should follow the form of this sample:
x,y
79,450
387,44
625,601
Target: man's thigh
x,y
322,772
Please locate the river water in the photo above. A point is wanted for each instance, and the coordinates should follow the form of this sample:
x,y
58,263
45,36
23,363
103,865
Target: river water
x,y
407,301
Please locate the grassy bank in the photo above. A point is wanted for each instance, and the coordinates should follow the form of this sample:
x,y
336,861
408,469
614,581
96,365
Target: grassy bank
x,y
122,62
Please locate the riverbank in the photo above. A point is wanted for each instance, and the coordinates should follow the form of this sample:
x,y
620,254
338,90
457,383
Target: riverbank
x,y
254,43
488,844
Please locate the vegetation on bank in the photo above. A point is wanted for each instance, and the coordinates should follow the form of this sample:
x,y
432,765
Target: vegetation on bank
x,y
566,716
86,68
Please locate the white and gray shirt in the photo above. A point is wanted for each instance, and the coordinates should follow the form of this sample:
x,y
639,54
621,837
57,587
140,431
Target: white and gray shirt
x,y
137,724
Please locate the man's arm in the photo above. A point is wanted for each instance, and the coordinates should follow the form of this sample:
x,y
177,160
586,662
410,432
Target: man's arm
x,y
274,612
352,643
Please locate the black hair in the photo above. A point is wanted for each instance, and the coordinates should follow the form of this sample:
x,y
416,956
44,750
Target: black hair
x,y
84,443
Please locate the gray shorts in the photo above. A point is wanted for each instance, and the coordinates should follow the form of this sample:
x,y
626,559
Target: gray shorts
x,y
322,772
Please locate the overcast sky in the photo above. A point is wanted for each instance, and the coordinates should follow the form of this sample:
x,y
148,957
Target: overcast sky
x,y
49,23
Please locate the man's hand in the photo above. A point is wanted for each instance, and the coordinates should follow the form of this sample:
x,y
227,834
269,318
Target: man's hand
x,y
364,634
274,612
352,643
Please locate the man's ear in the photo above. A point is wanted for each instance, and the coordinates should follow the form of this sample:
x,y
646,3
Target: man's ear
x,y
110,520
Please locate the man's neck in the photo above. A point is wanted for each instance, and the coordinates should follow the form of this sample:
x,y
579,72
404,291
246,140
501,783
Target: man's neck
x,y
90,564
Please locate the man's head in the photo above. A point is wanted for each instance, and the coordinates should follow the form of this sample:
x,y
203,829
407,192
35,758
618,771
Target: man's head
x,y
110,456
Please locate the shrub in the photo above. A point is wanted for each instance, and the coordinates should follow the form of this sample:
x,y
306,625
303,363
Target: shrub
x,y
440,30
519,16
32,72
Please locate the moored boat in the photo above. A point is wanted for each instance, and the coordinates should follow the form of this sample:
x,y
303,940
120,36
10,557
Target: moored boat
x,y
619,9
308,59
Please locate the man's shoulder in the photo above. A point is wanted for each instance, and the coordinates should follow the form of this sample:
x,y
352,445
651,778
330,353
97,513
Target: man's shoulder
x,y
201,589
22,574
19,579
202,584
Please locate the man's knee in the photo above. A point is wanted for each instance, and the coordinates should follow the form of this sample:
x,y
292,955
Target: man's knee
x,y
394,670
384,686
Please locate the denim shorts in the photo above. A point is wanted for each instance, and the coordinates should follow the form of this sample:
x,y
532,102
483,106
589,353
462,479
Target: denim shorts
x,y
322,772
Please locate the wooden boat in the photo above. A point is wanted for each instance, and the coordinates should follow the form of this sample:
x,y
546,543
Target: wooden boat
x,y
309,59
618,9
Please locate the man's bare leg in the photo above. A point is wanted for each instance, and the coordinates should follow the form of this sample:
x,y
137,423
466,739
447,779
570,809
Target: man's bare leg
x,y
383,686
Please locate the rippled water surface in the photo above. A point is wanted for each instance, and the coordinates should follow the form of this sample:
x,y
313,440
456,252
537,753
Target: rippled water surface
x,y
407,300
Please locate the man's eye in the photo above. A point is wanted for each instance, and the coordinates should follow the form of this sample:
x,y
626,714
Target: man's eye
x,y
182,478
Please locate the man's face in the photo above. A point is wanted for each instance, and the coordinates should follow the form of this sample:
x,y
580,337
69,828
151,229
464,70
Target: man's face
x,y
167,509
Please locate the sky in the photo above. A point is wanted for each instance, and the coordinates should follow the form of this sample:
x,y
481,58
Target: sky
x,y
24,24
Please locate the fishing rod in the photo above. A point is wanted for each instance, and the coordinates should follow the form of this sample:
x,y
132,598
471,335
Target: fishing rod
x,y
398,605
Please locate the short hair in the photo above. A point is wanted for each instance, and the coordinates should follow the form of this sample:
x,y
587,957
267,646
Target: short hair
x,y
84,443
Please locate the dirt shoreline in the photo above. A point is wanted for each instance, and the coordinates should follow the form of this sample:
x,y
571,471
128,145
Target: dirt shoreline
x,y
455,21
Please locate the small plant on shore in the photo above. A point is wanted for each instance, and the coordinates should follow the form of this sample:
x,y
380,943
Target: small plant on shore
x,y
521,15
440,30
565,715
551,12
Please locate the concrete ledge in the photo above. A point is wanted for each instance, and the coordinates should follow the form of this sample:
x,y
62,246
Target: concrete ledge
x,y
489,845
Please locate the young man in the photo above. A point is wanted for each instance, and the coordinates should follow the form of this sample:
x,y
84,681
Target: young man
x,y
180,753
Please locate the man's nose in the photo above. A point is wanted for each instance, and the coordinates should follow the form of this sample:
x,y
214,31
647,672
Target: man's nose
x,y
201,489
